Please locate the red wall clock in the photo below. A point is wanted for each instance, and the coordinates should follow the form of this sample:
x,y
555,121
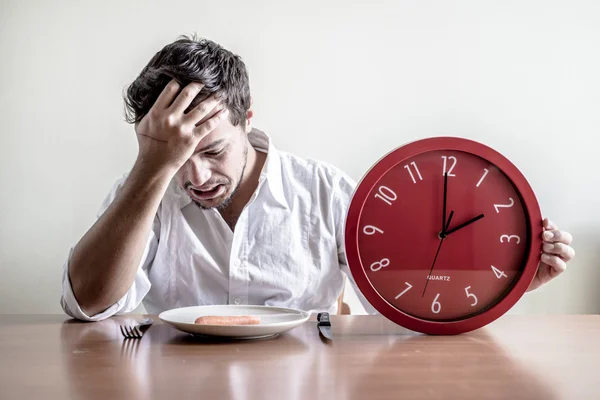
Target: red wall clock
x,y
443,235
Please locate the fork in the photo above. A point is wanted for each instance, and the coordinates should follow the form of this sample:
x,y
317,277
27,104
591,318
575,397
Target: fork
x,y
137,331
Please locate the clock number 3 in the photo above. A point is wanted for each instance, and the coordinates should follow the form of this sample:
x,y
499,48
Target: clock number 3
x,y
386,194
471,295
377,265
508,238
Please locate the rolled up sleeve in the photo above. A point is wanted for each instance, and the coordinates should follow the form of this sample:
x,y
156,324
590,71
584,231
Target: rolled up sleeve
x,y
129,302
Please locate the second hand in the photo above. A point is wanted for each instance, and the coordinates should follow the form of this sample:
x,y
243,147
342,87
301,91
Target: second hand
x,y
442,236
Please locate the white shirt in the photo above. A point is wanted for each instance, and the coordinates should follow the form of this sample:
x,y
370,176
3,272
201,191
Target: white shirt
x,y
287,248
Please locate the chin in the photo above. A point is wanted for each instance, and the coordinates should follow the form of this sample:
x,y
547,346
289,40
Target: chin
x,y
218,202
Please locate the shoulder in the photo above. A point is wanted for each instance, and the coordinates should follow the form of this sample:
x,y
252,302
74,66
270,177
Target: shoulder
x,y
315,172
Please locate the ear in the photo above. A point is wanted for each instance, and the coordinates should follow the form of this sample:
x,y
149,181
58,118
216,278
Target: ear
x,y
249,115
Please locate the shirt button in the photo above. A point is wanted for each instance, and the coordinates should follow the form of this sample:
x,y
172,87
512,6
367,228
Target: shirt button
x,y
237,262
237,301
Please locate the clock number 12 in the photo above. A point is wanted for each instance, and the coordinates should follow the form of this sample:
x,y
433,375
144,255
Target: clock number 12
x,y
452,158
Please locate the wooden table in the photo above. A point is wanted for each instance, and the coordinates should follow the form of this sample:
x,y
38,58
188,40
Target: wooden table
x,y
516,357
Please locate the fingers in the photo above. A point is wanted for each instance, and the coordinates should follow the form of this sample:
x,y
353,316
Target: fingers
x,y
211,123
185,98
204,110
167,95
549,224
562,250
557,264
556,236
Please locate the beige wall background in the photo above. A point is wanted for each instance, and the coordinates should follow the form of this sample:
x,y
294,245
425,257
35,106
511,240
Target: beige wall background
x,y
341,81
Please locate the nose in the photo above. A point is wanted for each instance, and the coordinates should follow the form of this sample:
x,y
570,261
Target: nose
x,y
198,171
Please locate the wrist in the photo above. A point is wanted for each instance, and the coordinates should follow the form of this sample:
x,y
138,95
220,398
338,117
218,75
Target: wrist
x,y
148,171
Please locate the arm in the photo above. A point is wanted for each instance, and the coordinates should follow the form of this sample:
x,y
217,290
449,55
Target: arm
x,y
104,263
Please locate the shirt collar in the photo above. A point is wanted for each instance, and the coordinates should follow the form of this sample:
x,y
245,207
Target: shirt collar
x,y
270,174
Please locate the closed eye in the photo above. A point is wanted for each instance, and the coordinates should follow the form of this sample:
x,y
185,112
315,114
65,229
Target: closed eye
x,y
214,153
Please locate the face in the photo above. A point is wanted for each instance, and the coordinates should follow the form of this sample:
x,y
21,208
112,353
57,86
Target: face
x,y
212,176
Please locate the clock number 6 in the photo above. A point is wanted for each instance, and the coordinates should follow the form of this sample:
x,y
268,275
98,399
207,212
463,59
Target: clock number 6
x,y
370,230
436,307
377,265
386,194
471,295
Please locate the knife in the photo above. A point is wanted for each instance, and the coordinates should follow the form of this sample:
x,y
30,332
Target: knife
x,y
324,324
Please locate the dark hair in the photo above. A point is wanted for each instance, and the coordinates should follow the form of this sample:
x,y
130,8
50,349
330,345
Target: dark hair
x,y
186,60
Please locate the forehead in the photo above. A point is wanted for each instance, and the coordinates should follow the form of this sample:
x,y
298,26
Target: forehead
x,y
223,134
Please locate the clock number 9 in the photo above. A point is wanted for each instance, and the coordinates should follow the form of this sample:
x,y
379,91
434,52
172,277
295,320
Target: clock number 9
x,y
388,196
436,307
377,265
370,230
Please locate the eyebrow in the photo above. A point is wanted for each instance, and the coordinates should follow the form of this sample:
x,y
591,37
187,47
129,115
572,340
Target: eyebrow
x,y
210,146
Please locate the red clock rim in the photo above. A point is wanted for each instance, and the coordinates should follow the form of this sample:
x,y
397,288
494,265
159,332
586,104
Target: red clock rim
x,y
411,149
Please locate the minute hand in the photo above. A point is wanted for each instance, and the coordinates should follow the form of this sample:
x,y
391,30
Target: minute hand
x,y
464,224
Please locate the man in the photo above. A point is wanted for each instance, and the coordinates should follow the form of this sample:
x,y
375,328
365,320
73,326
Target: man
x,y
211,212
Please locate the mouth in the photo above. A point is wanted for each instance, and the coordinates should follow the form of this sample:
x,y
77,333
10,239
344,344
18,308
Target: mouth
x,y
203,195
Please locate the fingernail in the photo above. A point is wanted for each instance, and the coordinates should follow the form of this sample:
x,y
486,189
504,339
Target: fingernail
x,y
548,235
545,257
548,247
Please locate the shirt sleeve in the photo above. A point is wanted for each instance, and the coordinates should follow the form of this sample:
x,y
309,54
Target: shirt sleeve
x,y
342,195
138,290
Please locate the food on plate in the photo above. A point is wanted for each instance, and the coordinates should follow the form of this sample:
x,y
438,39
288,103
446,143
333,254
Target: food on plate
x,y
227,320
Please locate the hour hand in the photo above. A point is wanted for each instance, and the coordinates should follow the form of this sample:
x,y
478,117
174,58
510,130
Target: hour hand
x,y
469,222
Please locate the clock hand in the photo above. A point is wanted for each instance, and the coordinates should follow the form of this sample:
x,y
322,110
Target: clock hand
x,y
442,236
464,224
444,233
444,224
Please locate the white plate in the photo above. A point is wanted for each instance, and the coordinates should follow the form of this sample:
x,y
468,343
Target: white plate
x,y
274,320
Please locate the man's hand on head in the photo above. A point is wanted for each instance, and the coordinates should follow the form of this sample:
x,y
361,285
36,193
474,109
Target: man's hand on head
x,y
168,135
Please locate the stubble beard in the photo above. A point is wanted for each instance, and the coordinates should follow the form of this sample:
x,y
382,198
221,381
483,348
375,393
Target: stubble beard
x,y
225,203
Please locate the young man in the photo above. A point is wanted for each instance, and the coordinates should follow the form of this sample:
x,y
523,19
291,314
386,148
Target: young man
x,y
212,212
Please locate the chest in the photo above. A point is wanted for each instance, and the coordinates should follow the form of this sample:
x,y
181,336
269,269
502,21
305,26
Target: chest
x,y
266,244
